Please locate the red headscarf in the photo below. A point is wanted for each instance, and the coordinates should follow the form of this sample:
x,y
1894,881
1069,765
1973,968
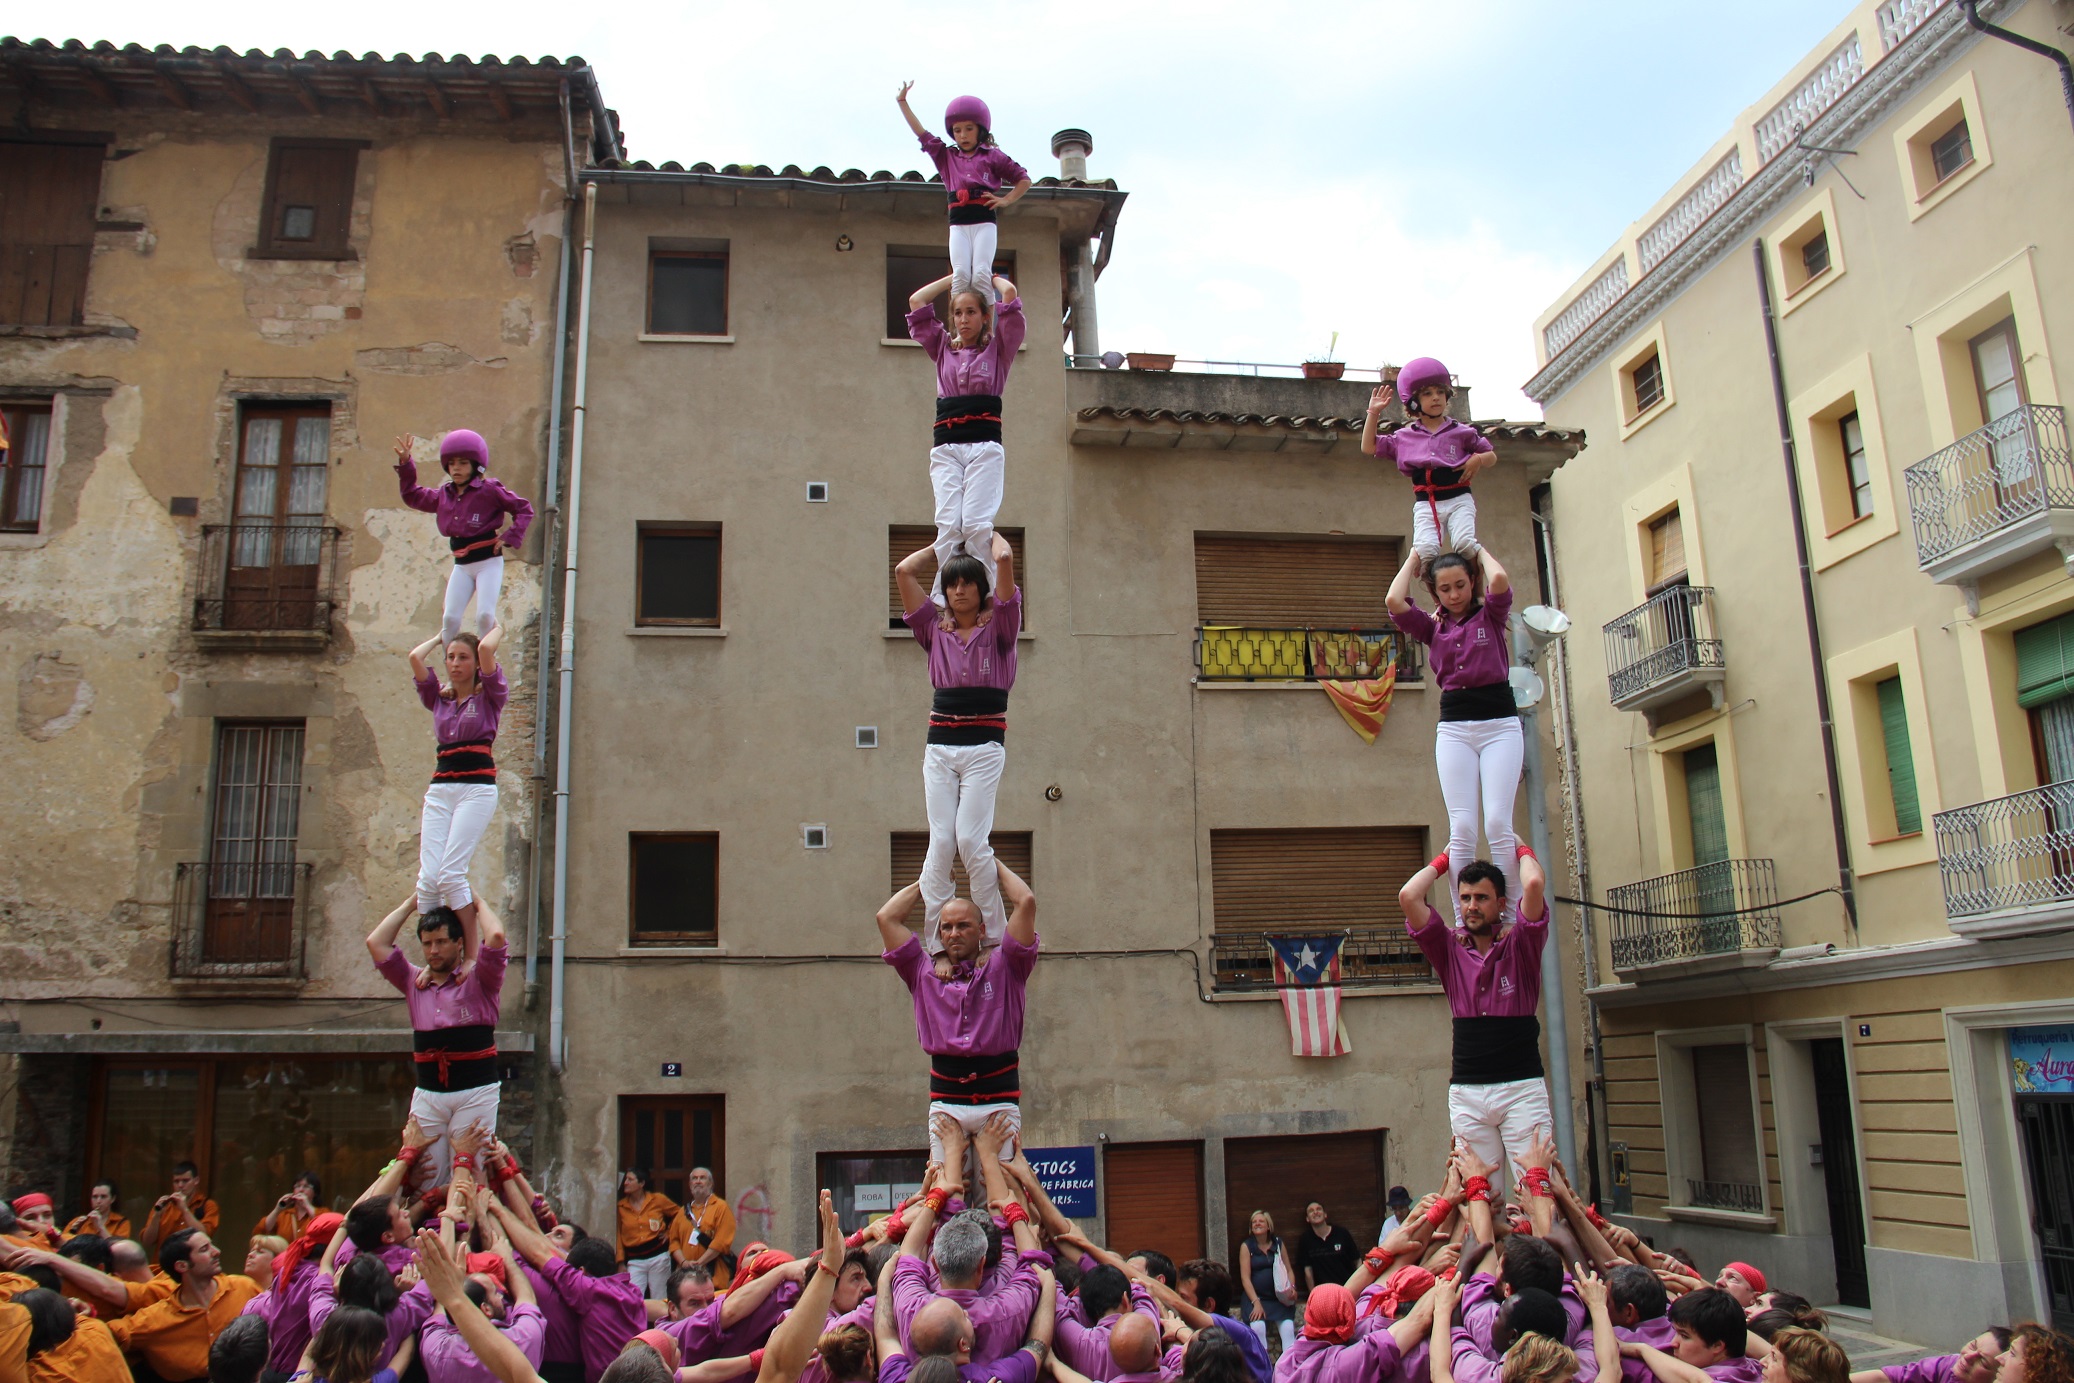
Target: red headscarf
x,y
316,1233
1329,1315
34,1200
757,1260
490,1265
663,1343
1408,1283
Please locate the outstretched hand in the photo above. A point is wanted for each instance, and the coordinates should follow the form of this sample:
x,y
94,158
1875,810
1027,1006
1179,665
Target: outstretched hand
x,y
405,445
1383,396
905,87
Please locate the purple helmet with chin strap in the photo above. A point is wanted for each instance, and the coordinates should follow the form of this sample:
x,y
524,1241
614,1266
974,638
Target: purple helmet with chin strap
x,y
462,442
1418,374
968,108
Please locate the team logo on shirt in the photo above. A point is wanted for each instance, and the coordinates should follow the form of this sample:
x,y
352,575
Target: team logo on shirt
x,y
1483,635
987,991
1505,984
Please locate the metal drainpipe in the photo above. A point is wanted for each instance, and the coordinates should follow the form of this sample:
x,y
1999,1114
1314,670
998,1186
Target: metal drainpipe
x,y
556,1054
551,512
2029,45
1846,882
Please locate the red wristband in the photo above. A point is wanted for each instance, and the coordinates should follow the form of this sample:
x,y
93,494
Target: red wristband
x,y
1014,1214
1440,864
1526,852
1376,1260
1477,1189
896,1227
466,1160
1437,1213
1534,1181
409,1156
854,1241
1591,1213
936,1200
755,1361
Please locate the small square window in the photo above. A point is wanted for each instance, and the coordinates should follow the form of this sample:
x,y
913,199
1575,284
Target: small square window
x,y
1814,255
1648,377
677,574
309,199
1951,151
687,293
675,888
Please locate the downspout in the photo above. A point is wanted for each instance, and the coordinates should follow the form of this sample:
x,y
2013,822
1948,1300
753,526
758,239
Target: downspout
x,y
556,1044
1846,884
2029,45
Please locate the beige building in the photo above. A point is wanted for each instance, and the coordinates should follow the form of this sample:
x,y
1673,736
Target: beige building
x,y
1852,1089
744,781
227,281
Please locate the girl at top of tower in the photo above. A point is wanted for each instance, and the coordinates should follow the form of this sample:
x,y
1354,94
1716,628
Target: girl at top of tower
x,y
470,506
1437,453
973,169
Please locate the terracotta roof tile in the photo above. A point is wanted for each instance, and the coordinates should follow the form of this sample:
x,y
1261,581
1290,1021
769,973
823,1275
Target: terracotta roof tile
x,y
1494,428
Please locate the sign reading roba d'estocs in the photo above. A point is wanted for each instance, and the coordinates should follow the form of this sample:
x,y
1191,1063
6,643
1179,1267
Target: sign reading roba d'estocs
x,y
2041,1061
1068,1177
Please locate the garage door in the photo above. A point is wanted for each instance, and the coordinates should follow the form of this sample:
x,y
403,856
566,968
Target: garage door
x,y
1153,1195
1344,1171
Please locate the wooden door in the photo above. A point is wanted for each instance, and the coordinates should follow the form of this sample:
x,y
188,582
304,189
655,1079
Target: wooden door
x,y
671,1134
1342,1171
1152,1197
251,903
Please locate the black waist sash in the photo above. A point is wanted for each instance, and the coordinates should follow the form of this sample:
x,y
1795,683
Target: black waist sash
x,y
652,1249
969,715
976,1080
967,418
1439,482
967,210
1492,701
1491,1051
475,547
455,1058
466,761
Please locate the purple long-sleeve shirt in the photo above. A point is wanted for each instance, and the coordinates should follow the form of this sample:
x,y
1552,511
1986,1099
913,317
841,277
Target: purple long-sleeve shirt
x,y
1315,1361
1743,1370
609,1312
287,1314
448,1359
1659,1333
978,1011
560,1343
471,717
1086,1347
986,169
477,507
1469,652
979,369
469,1001
1415,450
1019,1367
1942,1368
402,1322
701,1336
1504,982
1480,1317
1000,1320
985,659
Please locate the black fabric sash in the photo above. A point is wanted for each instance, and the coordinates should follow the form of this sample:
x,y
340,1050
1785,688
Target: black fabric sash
x,y
1492,701
976,1080
967,418
1491,1051
460,1058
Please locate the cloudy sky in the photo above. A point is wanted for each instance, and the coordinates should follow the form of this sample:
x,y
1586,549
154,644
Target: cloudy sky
x,y
1421,178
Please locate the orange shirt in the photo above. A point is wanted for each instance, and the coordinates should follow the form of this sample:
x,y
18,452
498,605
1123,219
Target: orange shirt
x,y
715,1224
289,1224
645,1223
173,1338
14,1338
149,1292
170,1221
90,1356
118,1226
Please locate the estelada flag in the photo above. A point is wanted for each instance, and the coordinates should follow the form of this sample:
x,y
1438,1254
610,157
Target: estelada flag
x,y
1307,977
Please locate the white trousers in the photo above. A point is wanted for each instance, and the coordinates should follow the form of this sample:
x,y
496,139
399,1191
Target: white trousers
x,y
972,258
651,1275
1456,531
1288,1331
1497,1122
959,782
1479,760
485,581
442,1113
967,478
452,825
973,1117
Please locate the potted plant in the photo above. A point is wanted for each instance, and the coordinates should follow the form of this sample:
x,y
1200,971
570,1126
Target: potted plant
x,y
1149,360
1325,367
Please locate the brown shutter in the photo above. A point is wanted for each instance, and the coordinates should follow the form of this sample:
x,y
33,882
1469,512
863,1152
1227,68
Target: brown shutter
x,y
315,175
1153,1197
48,197
1728,1136
1012,848
1327,878
1336,583
1341,1171
904,538
1666,549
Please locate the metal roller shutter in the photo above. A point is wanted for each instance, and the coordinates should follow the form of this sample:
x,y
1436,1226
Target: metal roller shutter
x,y
1153,1198
1337,876
903,538
1012,848
1271,582
1342,1171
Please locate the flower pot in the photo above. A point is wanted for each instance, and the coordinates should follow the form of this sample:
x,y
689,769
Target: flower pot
x,y
1142,360
1324,369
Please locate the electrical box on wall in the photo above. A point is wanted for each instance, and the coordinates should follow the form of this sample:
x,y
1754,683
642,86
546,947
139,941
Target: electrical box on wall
x,y
867,737
817,492
814,837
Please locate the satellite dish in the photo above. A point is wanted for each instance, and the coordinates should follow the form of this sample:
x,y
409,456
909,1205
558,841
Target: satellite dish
x,y
1546,620
1527,688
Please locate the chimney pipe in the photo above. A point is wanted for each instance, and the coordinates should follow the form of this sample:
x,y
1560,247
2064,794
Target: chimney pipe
x,y
1071,148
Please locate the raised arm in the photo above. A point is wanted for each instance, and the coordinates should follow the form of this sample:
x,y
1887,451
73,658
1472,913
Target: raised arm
x,y
530,1243
1004,568
885,1327
1605,1344
908,576
785,1357
894,933
445,1274
489,923
381,942
1495,581
1021,905
418,671
414,494
91,1283
921,130
927,293
1398,597
1668,1368
486,651
1411,899
1371,423
993,1134
1444,1295
1533,886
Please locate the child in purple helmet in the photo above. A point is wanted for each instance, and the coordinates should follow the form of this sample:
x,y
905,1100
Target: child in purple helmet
x,y
470,507
1437,453
973,171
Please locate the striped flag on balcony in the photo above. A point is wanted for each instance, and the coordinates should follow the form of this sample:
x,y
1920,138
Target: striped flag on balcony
x,y
1363,704
1307,977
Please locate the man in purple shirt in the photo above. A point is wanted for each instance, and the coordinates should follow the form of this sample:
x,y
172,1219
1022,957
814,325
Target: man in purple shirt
x,y
453,1019
1711,1335
741,1319
448,1359
1497,1100
970,1024
608,1306
944,1331
999,1321
1636,1303
1979,1362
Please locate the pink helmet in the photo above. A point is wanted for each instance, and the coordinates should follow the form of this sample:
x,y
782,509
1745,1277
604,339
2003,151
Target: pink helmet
x,y
462,442
1417,374
968,108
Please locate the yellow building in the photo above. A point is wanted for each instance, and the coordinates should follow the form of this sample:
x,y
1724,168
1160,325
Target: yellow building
x,y
1835,667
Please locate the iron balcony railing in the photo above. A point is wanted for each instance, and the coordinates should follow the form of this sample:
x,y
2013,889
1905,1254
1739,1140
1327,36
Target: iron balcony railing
x,y
1668,637
266,578
240,920
1725,1195
1714,909
1302,653
1370,957
2010,852
2015,467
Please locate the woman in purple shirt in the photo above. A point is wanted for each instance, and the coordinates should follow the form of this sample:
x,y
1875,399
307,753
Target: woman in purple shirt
x,y
971,645
966,463
1479,748
470,507
463,794
972,171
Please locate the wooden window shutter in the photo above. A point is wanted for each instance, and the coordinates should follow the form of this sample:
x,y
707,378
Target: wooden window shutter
x,y
1311,879
903,538
1342,1171
1011,848
1666,549
309,201
1728,1134
49,194
1901,758
1334,583
1153,1198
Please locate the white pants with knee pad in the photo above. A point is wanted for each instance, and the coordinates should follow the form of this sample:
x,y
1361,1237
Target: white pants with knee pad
x,y
1498,1122
441,1114
1479,763
485,581
973,1117
451,826
959,782
967,478
1455,530
972,258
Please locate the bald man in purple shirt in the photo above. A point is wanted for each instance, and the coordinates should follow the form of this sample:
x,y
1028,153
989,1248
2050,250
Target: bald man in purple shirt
x,y
971,1023
1497,1099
